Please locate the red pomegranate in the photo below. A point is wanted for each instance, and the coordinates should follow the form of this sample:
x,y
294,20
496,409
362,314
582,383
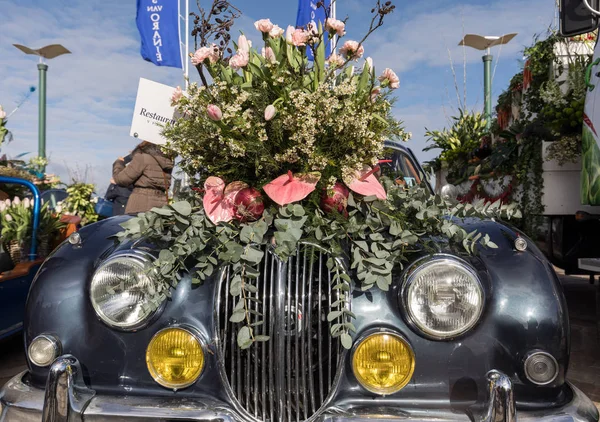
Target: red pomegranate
x,y
248,204
336,200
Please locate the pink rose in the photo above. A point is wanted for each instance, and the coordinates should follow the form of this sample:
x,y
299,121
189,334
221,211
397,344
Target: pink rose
x,y
391,78
336,60
214,112
300,37
211,53
352,50
276,32
289,33
264,25
244,44
270,112
337,26
239,60
268,54
177,94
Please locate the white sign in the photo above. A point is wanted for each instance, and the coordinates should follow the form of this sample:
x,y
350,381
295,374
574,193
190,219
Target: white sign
x,y
152,111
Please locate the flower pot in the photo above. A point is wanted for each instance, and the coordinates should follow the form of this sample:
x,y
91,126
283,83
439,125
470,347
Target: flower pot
x,y
15,250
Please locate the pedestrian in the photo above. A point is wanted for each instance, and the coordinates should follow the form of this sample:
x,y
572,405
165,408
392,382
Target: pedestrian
x,y
150,174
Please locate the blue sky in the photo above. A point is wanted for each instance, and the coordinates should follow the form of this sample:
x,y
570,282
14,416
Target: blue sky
x,y
91,92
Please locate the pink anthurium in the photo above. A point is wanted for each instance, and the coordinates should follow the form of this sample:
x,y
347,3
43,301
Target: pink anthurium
x,y
365,183
291,187
218,199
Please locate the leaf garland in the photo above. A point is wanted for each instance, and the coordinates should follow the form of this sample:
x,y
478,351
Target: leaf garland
x,y
376,237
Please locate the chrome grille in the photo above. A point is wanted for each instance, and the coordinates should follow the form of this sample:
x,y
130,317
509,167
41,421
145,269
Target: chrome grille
x,y
289,377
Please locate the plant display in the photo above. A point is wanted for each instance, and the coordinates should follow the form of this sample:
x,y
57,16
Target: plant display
x,y
80,202
17,225
590,173
459,144
285,151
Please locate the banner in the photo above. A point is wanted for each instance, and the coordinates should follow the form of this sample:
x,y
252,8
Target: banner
x,y
152,111
158,23
308,12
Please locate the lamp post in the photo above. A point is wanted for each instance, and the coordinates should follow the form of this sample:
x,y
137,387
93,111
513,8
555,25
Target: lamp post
x,y
485,43
48,52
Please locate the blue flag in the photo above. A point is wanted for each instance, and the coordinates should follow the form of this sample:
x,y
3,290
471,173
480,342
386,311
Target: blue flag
x,y
308,12
158,23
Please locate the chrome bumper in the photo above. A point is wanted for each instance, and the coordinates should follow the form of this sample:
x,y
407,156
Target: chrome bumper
x,y
64,400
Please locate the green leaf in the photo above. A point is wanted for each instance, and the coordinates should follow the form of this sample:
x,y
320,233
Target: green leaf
x,y
261,338
252,255
244,338
237,316
333,315
346,341
182,207
162,211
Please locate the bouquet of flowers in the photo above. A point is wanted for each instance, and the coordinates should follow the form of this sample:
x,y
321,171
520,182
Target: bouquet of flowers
x,y
287,150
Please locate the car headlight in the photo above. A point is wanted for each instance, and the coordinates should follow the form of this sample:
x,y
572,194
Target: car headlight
x,y
175,358
383,363
122,290
443,297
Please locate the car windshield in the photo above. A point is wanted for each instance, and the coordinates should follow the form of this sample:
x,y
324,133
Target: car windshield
x,y
399,166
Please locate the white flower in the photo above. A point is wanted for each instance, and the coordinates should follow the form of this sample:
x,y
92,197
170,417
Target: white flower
x,y
8,217
276,32
58,209
26,203
8,203
17,201
2,113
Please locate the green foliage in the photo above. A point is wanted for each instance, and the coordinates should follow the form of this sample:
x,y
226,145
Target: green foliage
x,y
17,221
80,203
376,238
590,171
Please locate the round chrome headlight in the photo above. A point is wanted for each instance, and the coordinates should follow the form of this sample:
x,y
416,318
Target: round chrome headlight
x,y
443,297
122,290
43,350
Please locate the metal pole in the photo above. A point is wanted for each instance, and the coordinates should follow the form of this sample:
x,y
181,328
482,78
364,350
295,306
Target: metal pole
x,y
487,88
43,68
187,43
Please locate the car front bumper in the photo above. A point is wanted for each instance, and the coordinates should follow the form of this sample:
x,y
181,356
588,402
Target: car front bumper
x,y
64,400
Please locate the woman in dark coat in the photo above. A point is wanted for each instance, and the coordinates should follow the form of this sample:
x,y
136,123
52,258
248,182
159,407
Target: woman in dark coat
x,y
150,174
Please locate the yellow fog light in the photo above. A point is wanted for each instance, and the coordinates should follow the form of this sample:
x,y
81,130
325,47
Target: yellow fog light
x,y
175,358
383,363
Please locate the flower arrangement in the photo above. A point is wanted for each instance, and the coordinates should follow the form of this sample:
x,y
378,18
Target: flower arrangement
x,y
285,150
17,227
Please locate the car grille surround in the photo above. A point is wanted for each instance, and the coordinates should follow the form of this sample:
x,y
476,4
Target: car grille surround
x,y
291,376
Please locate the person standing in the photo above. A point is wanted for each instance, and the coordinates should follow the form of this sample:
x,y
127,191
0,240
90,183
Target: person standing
x,y
150,174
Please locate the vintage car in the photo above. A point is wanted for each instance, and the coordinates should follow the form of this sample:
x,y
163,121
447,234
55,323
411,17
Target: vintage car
x,y
481,337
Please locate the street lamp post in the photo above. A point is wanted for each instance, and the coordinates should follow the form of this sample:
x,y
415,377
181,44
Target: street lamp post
x,y
485,43
47,52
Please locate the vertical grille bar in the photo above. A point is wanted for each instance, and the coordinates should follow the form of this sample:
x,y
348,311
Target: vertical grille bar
x,y
330,340
266,331
319,334
255,352
309,332
303,329
272,345
293,315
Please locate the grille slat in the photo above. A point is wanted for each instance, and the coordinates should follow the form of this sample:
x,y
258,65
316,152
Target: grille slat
x,y
289,377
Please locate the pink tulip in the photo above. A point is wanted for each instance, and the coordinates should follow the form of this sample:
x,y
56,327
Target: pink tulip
x,y
211,53
264,25
270,112
276,31
17,201
239,60
244,44
177,94
352,50
2,113
391,78
214,112
268,54
289,33
335,26
8,217
300,37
